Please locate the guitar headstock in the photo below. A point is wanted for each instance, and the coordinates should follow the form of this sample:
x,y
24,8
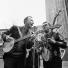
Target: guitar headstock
x,y
57,14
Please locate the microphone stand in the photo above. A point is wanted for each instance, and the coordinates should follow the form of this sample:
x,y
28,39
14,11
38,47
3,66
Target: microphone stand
x,y
34,55
34,49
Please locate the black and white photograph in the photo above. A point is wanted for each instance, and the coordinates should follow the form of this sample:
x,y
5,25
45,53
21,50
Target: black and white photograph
x,y
33,33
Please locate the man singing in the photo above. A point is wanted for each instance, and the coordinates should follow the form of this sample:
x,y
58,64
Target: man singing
x,y
16,57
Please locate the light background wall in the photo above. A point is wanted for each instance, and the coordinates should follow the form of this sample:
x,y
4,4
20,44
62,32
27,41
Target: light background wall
x,y
14,12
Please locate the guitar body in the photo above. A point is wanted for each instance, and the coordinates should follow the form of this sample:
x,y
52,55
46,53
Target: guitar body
x,y
8,46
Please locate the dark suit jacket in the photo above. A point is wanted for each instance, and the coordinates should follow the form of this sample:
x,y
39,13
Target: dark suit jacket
x,y
56,46
19,47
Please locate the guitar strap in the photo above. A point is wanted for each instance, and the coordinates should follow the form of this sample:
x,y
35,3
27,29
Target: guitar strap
x,y
19,32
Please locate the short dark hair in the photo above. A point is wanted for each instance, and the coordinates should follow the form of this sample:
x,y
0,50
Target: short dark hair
x,y
26,18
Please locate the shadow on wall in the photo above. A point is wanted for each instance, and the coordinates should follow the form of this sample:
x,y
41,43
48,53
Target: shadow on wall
x,y
66,3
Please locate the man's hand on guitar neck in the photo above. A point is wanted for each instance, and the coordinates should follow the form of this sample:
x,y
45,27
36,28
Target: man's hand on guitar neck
x,y
32,37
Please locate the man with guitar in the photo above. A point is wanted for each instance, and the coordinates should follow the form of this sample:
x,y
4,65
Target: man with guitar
x,y
15,44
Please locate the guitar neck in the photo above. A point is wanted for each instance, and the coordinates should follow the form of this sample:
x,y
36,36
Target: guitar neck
x,y
27,36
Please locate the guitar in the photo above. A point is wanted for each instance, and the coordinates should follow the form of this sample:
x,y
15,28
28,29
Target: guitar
x,y
8,46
